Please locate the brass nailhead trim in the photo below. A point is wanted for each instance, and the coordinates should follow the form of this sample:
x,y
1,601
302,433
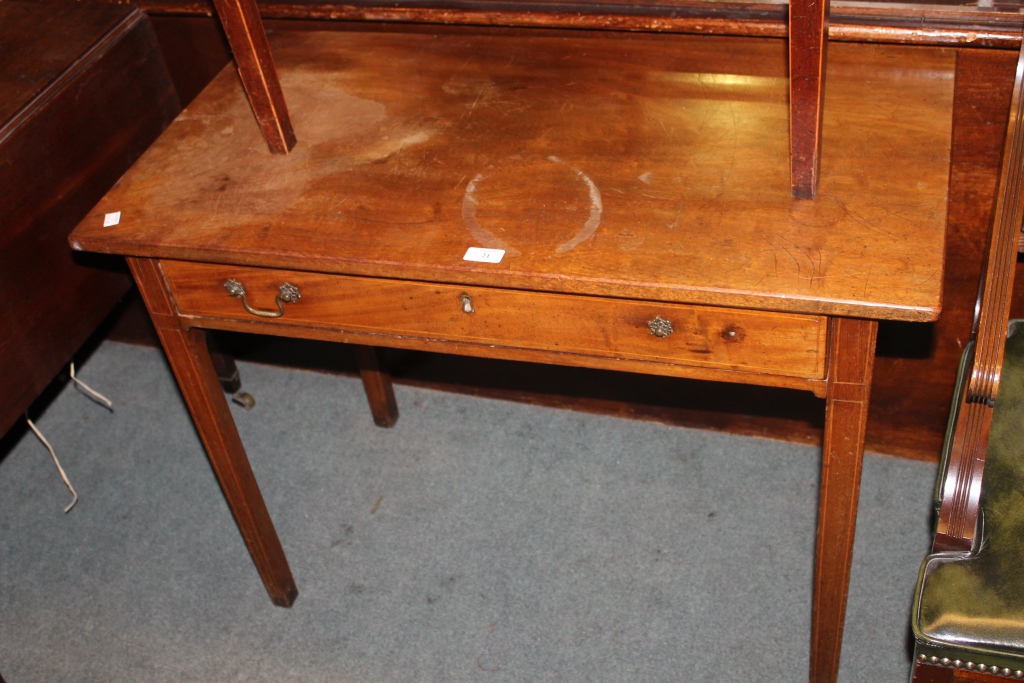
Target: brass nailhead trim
x,y
957,664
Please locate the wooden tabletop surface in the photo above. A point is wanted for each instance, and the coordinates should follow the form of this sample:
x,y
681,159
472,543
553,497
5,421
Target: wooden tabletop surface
x,y
653,167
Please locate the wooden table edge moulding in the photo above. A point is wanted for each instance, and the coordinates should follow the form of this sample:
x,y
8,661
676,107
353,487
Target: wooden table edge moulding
x,y
641,199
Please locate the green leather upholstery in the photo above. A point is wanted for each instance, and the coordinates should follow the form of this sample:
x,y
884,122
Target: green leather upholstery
x,y
969,607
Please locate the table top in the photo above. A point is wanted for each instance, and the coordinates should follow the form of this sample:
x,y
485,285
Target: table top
x,y
652,167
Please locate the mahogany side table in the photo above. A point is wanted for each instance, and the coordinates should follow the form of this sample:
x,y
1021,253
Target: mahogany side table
x,y
608,202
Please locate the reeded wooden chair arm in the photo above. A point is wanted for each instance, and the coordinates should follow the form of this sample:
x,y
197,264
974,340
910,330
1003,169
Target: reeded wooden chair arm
x,y
969,606
971,418
968,613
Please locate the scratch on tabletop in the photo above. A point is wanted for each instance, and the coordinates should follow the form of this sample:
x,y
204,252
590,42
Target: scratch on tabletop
x,y
858,276
776,247
483,653
467,114
862,221
679,213
351,217
816,266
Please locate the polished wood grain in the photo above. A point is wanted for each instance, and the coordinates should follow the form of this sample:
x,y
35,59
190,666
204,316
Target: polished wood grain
x,y
675,191
651,178
957,526
195,50
983,385
808,43
770,343
912,385
958,522
83,92
899,23
926,673
915,365
189,358
513,353
377,384
958,512
748,409
994,312
846,411
962,676
933,673
40,45
244,29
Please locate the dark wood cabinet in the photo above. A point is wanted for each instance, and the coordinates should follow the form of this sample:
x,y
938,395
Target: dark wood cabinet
x,y
83,92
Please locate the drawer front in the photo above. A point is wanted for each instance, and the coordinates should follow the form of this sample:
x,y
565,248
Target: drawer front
x,y
777,343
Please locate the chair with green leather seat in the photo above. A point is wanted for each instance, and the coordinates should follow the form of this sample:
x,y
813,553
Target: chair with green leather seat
x,y
968,614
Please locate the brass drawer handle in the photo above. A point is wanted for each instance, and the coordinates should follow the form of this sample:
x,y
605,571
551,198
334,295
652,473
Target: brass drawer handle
x,y
660,327
289,294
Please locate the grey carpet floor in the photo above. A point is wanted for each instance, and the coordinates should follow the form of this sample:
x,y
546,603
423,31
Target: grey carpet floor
x,y
478,540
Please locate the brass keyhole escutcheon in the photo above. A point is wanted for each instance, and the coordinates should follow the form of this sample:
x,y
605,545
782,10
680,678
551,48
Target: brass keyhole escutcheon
x,y
467,303
660,327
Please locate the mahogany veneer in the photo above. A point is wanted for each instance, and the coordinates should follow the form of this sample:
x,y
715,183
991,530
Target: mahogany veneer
x,y
915,367
626,181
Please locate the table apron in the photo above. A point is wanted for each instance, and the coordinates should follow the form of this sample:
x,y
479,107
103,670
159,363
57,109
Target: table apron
x,y
702,342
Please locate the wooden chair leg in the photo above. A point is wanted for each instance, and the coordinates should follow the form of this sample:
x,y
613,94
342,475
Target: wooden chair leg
x,y
852,353
227,372
808,40
190,361
377,383
248,40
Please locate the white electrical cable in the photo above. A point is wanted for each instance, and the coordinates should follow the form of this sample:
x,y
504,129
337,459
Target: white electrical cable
x,y
55,462
92,393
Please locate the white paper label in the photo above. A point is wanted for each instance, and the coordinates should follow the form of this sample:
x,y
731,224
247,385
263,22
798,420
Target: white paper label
x,y
111,219
484,255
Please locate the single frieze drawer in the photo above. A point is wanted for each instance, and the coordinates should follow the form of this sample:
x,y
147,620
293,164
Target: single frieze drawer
x,y
778,343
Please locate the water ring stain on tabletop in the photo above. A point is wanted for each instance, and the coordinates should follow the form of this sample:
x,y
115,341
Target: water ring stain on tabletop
x,y
483,236
543,205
